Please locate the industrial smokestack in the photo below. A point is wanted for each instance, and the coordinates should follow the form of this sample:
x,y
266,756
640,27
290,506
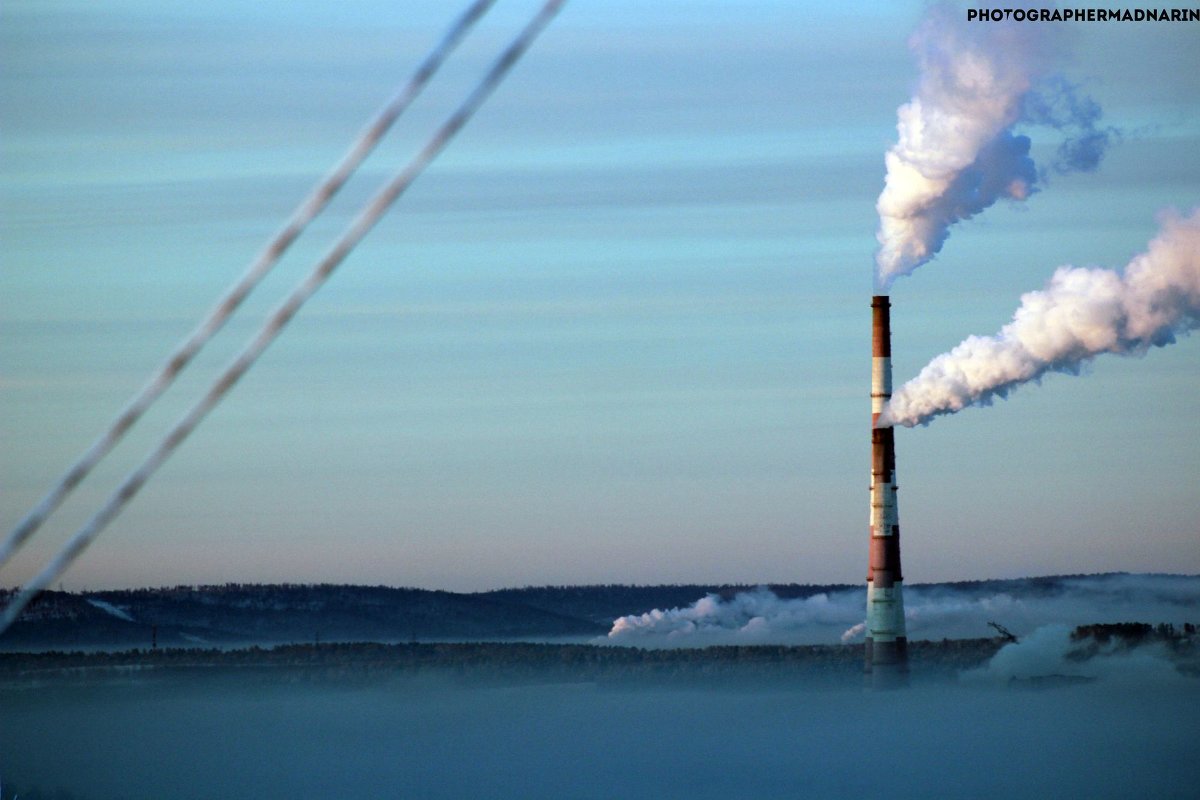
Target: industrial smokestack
x,y
887,643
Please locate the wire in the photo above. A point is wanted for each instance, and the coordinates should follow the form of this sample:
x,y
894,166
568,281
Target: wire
x,y
359,228
311,206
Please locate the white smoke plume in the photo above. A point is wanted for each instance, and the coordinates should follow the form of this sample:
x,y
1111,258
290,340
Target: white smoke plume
x,y
1081,313
1049,651
757,617
931,612
957,152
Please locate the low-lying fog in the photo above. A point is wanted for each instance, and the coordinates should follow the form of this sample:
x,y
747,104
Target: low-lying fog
x,y
1107,739
1121,724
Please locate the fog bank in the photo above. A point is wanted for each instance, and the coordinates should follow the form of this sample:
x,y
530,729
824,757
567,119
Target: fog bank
x,y
582,741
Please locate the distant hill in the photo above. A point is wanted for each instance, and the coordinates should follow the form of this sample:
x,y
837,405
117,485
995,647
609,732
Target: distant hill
x,y
243,614
236,614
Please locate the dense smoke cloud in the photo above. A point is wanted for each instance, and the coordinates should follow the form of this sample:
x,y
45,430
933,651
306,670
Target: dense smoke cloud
x,y
1081,313
931,612
1049,651
957,152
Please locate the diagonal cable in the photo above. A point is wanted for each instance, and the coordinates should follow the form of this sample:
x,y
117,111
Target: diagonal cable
x,y
312,205
359,228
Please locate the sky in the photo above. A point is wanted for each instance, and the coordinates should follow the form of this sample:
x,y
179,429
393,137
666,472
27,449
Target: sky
x,y
619,332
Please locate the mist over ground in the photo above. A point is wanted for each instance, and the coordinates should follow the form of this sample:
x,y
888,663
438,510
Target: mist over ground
x,y
435,739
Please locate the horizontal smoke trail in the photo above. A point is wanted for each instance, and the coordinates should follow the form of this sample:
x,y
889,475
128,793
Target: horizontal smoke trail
x,y
1081,313
753,617
932,612
957,153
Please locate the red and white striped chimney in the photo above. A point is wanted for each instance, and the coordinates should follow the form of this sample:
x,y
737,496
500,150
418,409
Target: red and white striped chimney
x,y
887,643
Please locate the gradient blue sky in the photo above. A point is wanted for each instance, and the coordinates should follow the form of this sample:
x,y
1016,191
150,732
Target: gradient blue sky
x,y
618,333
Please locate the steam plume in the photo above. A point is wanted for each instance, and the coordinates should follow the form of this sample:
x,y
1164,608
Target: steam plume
x,y
754,617
1081,313
1050,651
957,153
931,611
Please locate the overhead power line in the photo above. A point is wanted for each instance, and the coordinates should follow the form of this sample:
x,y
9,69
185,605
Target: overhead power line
x,y
309,208
359,228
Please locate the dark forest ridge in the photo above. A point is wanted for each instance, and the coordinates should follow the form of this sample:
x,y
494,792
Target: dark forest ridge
x,y
504,663
509,663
